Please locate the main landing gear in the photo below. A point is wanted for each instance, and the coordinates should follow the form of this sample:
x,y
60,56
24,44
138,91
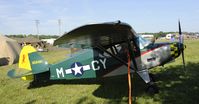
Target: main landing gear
x,y
152,87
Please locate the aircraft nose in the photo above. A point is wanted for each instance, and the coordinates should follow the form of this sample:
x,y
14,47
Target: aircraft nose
x,y
175,51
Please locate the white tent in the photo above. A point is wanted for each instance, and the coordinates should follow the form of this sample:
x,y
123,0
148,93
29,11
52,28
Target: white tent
x,y
9,51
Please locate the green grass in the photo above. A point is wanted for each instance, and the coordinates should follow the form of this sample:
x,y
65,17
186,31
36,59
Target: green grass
x,y
176,87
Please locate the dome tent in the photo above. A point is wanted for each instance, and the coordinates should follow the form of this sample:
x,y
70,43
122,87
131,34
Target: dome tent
x,y
9,51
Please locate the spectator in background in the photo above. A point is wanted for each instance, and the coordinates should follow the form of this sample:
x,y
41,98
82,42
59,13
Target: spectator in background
x,y
172,38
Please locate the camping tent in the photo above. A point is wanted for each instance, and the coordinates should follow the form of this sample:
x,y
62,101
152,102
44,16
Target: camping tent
x,y
9,51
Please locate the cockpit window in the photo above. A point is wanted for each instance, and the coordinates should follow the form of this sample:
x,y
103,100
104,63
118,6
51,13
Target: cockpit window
x,y
142,42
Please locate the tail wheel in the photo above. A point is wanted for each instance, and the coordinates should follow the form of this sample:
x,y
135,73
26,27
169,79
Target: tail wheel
x,y
42,77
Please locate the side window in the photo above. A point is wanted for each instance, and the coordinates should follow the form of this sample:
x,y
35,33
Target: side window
x,y
114,49
106,54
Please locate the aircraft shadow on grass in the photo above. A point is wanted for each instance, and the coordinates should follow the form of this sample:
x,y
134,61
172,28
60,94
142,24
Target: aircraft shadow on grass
x,y
175,86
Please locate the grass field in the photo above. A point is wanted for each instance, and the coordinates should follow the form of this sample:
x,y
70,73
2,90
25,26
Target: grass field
x,y
176,87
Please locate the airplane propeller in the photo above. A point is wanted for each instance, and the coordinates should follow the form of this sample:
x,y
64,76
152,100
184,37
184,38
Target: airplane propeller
x,y
181,45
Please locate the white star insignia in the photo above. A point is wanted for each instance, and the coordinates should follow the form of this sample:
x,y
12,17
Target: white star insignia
x,y
77,69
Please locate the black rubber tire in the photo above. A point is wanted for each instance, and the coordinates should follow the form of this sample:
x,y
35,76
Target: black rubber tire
x,y
152,89
152,77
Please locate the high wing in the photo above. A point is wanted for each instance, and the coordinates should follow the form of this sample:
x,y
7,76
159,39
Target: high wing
x,y
105,34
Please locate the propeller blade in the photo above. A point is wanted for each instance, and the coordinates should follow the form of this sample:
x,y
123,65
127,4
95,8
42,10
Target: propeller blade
x,y
180,33
181,40
183,60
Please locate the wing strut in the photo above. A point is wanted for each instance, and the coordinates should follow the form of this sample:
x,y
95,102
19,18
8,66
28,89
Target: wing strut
x,y
131,56
114,56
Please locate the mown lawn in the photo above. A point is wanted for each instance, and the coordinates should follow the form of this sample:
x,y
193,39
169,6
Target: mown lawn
x,y
176,87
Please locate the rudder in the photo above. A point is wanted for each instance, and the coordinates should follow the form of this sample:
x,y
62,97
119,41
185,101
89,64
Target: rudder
x,y
31,60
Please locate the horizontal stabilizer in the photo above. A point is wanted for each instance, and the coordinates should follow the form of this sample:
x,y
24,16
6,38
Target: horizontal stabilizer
x,y
15,73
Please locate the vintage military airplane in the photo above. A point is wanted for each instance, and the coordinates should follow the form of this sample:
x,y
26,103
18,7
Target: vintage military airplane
x,y
103,51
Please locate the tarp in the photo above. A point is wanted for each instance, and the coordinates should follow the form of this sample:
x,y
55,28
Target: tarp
x,y
9,51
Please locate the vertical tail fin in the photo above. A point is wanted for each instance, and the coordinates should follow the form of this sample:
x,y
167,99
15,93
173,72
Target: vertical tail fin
x,y
31,60
24,62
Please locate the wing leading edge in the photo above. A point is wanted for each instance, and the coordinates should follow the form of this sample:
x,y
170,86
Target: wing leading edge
x,y
105,34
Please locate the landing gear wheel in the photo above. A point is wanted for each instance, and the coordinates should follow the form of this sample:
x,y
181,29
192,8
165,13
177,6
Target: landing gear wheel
x,y
152,77
152,89
40,79
32,84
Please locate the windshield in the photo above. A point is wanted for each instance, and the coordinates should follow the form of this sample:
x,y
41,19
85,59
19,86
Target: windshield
x,y
142,42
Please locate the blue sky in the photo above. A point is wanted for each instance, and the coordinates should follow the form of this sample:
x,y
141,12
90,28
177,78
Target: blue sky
x,y
17,16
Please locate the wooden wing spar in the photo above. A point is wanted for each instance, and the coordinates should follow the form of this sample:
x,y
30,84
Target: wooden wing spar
x,y
105,34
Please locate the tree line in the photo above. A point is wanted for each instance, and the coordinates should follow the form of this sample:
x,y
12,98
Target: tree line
x,y
163,34
35,36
